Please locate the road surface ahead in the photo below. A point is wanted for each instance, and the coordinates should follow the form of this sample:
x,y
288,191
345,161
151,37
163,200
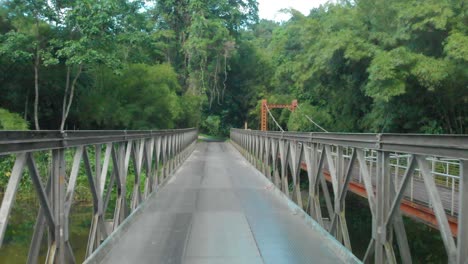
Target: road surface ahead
x,y
218,209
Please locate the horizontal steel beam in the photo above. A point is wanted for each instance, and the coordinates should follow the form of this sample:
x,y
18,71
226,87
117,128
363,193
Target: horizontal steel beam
x,y
453,146
22,141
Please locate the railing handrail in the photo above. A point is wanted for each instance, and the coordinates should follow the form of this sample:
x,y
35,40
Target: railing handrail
x,y
20,141
281,156
106,159
454,146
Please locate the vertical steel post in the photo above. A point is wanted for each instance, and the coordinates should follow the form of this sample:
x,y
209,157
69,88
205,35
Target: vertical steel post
x,y
164,157
267,167
274,156
58,203
380,209
462,245
97,174
284,153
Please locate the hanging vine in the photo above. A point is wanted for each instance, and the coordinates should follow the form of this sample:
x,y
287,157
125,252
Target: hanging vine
x,y
209,45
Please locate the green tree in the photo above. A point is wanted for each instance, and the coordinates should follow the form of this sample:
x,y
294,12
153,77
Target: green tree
x,y
301,119
212,125
380,66
27,41
141,97
11,121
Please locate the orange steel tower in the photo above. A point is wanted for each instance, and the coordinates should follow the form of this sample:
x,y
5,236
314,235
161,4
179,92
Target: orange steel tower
x,y
266,106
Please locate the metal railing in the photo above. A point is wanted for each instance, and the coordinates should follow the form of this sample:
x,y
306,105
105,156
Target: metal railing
x,y
446,172
386,164
107,159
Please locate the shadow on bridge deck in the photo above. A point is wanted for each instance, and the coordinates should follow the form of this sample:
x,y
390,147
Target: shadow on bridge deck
x,y
218,209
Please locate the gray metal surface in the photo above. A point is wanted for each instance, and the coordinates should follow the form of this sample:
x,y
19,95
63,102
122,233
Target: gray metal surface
x,y
328,150
415,191
149,157
218,209
20,141
455,146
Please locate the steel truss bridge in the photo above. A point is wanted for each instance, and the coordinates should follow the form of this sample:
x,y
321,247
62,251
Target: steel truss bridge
x,y
163,197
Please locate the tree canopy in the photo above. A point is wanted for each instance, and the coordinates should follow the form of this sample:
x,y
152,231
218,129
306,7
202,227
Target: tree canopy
x,y
354,66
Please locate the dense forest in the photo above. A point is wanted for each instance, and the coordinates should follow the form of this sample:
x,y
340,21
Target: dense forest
x,y
354,66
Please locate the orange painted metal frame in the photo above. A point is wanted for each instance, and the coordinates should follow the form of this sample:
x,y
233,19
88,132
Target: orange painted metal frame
x,y
266,106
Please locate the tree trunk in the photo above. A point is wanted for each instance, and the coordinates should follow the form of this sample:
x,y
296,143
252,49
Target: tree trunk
x,y
36,78
26,106
67,105
65,95
36,92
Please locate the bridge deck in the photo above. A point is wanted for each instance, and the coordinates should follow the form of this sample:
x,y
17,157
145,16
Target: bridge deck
x,y
218,209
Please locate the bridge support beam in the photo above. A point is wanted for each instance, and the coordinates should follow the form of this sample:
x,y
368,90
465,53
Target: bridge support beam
x,y
106,177
332,157
462,254
275,165
284,157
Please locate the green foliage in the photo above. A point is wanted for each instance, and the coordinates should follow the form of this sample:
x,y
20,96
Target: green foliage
x,y
248,81
190,110
6,166
11,42
375,66
387,74
211,125
354,66
370,65
298,120
456,46
79,45
142,97
11,121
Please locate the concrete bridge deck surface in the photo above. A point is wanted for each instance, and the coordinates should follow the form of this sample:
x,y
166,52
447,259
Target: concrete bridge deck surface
x,y
218,209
